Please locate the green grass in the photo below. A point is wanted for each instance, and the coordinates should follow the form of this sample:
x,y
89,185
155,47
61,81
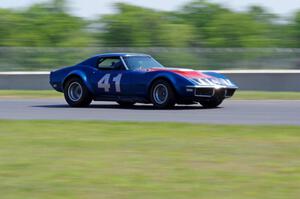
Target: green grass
x,y
95,160
261,95
29,94
240,95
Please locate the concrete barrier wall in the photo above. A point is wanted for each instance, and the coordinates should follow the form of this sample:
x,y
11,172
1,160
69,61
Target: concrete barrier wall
x,y
260,80
266,80
24,81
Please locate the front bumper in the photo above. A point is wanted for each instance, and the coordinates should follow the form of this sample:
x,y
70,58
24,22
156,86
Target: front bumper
x,y
211,92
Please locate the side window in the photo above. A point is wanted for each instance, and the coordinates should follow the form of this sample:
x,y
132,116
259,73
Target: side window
x,y
111,63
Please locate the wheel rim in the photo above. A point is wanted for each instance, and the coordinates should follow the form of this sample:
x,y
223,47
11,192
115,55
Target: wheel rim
x,y
160,93
75,91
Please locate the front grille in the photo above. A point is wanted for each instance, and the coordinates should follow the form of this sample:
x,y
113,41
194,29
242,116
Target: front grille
x,y
204,92
230,92
213,92
220,92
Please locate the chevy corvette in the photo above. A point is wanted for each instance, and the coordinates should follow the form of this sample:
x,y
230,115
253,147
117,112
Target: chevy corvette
x,y
138,78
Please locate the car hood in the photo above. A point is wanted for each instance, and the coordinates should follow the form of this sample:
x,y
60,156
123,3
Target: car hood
x,y
200,78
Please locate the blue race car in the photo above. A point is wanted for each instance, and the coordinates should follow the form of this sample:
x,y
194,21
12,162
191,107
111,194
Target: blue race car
x,y
138,78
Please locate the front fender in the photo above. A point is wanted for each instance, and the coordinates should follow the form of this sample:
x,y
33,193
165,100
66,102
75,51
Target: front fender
x,y
221,76
215,74
179,82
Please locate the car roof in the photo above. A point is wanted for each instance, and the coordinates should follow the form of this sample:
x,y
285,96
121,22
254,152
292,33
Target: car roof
x,y
92,60
120,54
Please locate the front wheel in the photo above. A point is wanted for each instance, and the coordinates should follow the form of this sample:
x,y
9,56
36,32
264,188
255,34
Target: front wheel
x,y
162,94
76,93
212,103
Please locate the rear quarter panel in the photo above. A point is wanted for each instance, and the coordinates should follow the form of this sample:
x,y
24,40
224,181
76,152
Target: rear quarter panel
x,y
58,77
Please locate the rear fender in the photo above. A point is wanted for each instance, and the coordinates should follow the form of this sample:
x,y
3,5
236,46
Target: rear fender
x,y
81,75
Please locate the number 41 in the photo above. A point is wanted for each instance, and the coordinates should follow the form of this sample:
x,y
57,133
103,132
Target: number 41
x,y
104,82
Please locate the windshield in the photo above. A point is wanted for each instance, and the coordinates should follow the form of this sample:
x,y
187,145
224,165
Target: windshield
x,y
141,62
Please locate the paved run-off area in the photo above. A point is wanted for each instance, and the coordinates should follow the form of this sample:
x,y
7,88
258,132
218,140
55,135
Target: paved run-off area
x,y
278,112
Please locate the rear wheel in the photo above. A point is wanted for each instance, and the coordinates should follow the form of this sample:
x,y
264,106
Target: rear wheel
x,y
212,103
76,93
125,104
162,94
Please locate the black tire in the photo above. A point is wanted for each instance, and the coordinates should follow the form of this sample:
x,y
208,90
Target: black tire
x,y
168,95
79,98
125,104
212,103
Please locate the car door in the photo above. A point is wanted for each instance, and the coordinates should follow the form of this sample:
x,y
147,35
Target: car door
x,y
110,78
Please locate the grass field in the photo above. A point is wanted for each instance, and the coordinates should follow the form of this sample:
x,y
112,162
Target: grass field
x,y
95,160
251,95
29,94
258,95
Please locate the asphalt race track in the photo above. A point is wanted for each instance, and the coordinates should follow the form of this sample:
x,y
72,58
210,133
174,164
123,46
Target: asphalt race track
x,y
231,112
